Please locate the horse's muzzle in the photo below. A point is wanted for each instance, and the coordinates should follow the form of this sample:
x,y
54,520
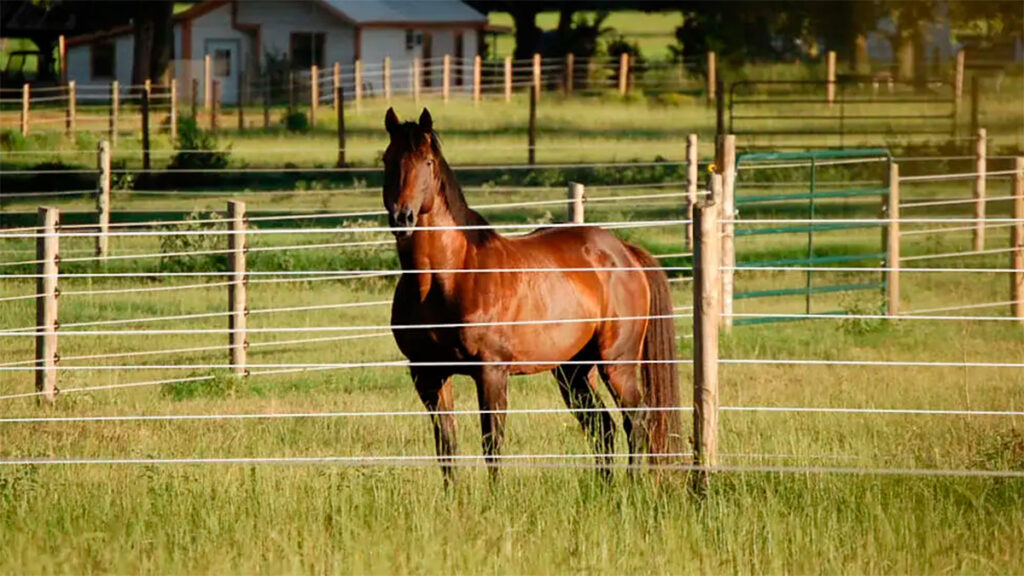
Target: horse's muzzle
x,y
402,218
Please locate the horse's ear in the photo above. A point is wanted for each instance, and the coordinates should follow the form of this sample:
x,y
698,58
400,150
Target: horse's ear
x,y
391,121
426,122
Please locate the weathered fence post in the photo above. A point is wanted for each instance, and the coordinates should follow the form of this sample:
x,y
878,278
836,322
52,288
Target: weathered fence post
x,y
980,169
25,95
446,77
416,65
508,78
291,93
692,170
195,100
335,82
47,247
174,109
241,101
71,112
958,80
477,77
314,93
115,105
532,144
215,106
975,103
266,102
727,168
707,292
339,95
712,77
103,199
577,193
1017,240
570,69
387,78
207,83
536,75
892,241
623,73
144,110
830,78
238,306
358,84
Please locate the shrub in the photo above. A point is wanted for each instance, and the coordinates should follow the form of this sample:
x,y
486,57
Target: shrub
x,y
197,150
296,122
174,243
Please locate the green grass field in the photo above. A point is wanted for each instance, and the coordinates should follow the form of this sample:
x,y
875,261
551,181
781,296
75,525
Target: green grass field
x,y
161,518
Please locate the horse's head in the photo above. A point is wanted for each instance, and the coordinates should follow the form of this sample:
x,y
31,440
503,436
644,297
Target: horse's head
x,y
411,170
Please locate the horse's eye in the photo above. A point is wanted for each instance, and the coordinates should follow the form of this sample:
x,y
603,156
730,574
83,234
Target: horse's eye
x,y
430,162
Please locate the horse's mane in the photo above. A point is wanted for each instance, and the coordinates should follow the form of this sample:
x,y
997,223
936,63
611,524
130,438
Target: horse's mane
x,y
450,188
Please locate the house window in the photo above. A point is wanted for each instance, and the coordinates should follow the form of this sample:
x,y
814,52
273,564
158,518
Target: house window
x,y
307,49
101,59
413,39
221,63
458,54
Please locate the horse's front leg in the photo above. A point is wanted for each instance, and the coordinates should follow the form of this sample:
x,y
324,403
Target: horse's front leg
x,y
436,392
492,393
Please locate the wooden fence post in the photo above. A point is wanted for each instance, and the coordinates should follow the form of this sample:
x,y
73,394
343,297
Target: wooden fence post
x,y
623,73
416,65
532,143
358,84
215,106
508,78
207,82
335,82
958,80
174,109
570,70
103,199
536,75
144,111
238,305
477,77
1017,240
712,77
707,292
892,241
980,168
72,110
241,101
115,110
577,193
692,169
62,57
25,95
727,168
266,102
195,100
291,93
47,246
339,95
314,93
387,78
446,76
830,78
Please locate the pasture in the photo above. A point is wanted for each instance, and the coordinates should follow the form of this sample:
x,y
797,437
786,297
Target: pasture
x,y
855,457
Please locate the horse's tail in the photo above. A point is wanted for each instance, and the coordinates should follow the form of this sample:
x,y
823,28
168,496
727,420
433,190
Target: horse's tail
x,y
660,378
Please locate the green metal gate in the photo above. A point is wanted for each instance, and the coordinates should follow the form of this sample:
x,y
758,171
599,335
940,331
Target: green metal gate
x,y
815,192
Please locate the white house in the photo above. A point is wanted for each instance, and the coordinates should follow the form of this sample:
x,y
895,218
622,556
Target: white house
x,y
241,35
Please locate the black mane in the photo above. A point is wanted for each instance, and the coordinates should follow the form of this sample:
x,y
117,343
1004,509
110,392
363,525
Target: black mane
x,y
451,191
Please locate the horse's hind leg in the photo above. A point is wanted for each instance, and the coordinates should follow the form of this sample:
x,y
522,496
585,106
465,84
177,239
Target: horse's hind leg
x,y
435,391
623,383
589,410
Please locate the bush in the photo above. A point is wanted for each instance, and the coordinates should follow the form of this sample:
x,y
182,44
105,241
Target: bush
x,y
197,150
174,243
296,122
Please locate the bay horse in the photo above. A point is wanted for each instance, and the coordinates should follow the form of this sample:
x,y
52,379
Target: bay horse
x,y
568,322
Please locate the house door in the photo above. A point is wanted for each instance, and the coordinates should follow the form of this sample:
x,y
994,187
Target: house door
x,y
428,54
225,58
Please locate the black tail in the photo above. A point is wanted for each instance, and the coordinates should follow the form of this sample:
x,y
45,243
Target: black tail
x,y
661,380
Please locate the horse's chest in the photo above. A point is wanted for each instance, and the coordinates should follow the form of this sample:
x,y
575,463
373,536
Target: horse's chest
x,y
418,325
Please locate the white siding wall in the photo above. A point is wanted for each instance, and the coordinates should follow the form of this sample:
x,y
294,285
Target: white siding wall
x,y
278,20
216,25
80,65
381,42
